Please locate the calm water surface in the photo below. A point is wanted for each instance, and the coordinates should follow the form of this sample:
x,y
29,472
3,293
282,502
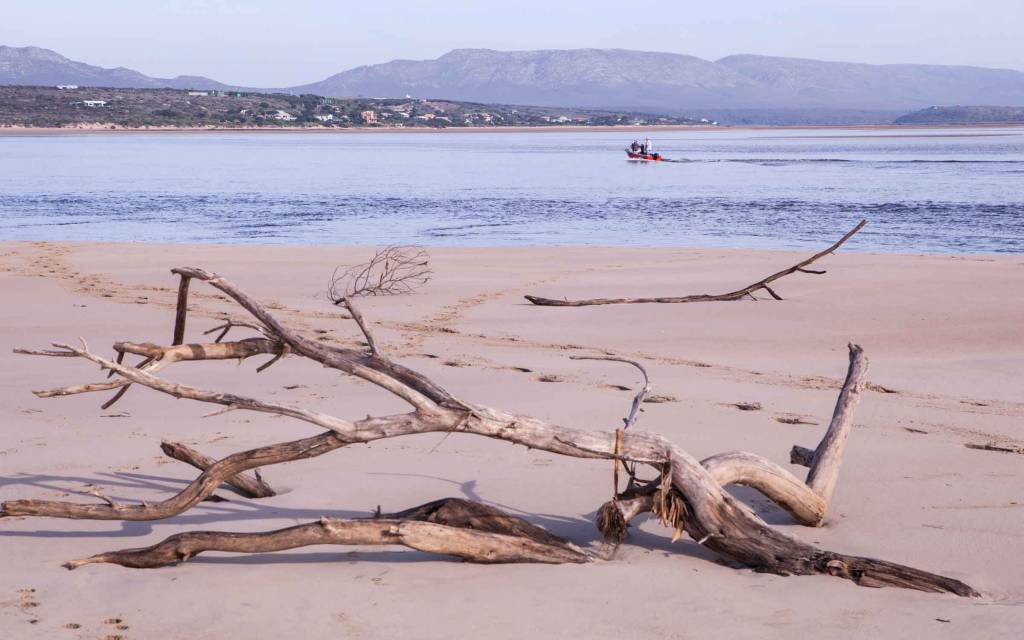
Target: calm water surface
x,y
947,191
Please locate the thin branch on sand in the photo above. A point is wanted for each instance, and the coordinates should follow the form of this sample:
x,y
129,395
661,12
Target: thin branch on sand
x,y
739,294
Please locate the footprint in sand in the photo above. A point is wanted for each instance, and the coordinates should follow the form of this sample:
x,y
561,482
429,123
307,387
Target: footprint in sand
x,y
616,387
118,624
27,603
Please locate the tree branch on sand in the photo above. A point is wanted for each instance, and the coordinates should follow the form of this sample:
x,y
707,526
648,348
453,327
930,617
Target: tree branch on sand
x,y
393,270
688,495
738,294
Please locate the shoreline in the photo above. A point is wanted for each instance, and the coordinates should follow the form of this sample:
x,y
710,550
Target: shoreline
x,y
470,248
18,130
978,255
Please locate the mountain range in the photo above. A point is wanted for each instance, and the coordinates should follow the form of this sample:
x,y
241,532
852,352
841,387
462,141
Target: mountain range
x,y
748,88
39,67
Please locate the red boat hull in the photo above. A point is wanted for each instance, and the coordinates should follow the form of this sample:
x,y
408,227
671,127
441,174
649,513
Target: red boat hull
x,y
644,156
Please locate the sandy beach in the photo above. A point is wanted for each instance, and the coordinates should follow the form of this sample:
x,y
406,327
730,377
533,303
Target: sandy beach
x,y
944,334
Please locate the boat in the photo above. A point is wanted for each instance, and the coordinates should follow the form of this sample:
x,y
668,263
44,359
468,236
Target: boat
x,y
643,152
644,156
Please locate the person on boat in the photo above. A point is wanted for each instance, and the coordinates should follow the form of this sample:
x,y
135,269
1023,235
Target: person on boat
x,y
643,149
634,147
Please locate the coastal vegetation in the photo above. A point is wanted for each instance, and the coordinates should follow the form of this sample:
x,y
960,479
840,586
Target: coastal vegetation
x,y
91,107
964,115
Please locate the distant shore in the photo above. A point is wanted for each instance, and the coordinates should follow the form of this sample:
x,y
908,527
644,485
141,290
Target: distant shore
x,y
107,129
19,130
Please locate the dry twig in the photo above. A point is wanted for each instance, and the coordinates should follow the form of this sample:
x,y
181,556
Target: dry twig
x,y
393,270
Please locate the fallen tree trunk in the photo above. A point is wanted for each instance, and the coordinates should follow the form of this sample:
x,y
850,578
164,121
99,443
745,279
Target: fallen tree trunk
x,y
689,496
738,294
455,527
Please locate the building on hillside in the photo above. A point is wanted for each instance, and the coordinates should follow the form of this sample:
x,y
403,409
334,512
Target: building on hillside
x,y
283,116
94,103
369,117
67,87
198,93
325,117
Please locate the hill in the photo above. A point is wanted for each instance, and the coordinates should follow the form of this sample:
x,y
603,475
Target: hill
x,y
673,83
747,89
40,67
97,107
964,115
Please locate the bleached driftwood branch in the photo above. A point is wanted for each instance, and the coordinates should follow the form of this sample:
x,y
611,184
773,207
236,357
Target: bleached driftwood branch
x,y
738,294
689,495
250,486
462,528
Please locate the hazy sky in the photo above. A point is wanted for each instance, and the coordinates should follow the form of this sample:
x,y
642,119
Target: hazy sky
x,y
288,42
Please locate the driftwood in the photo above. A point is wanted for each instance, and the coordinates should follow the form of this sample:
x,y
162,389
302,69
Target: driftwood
x,y
393,270
738,294
688,495
994,447
469,530
249,486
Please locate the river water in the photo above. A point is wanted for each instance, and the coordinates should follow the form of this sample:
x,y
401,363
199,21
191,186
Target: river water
x,y
941,190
